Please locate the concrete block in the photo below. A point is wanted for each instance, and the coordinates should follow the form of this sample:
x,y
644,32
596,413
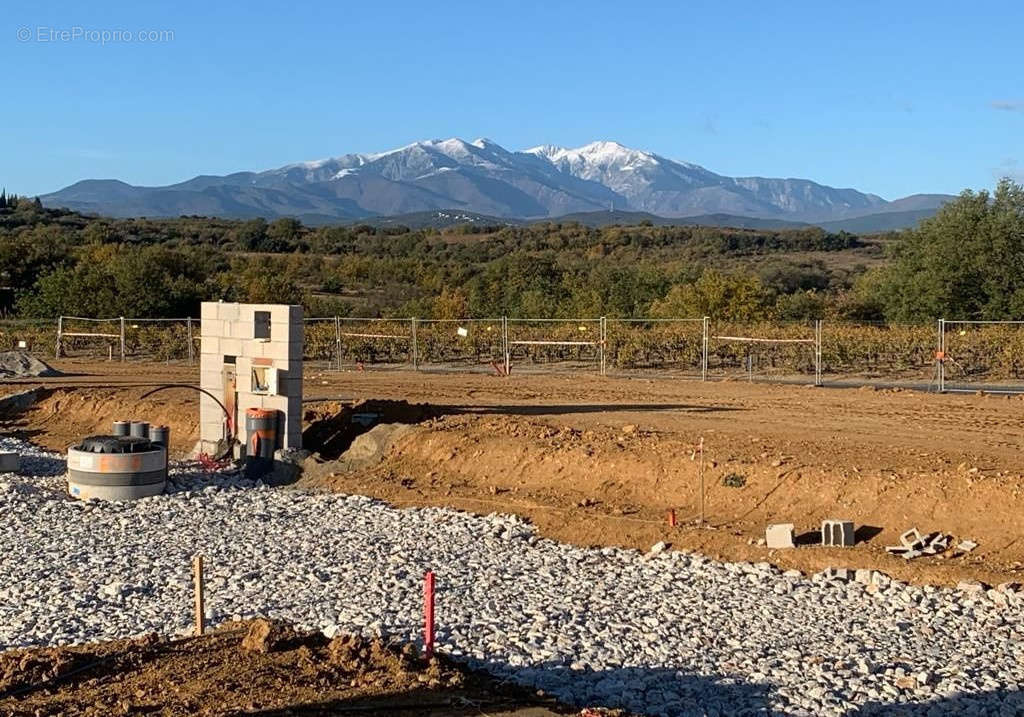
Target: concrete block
x,y
243,365
239,329
211,327
211,378
10,462
912,538
207,406
862,576
209,310
212,432
230,346
779,536
250,348
229,311
276,350
837,533
210,345
277,403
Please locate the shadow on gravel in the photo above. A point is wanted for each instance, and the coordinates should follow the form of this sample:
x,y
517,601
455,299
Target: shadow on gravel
x,y
636,690
44,466
996,702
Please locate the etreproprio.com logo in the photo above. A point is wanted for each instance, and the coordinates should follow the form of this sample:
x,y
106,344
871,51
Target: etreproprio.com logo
x,y
99,36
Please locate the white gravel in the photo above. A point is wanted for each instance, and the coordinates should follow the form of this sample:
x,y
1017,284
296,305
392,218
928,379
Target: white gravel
x,y
667,633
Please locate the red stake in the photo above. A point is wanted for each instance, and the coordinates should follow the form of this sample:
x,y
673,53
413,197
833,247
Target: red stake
x,y
428,614
671,517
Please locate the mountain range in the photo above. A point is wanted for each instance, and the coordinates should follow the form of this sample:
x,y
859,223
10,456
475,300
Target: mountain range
x,y
481,177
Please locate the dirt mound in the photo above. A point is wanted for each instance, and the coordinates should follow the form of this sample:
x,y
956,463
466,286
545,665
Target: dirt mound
x,y
332,428
61,417
21,668
19,364
269,636
603,485
260,667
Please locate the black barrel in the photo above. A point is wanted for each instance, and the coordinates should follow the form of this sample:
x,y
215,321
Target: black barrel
x,y
122,428
160,436
140,429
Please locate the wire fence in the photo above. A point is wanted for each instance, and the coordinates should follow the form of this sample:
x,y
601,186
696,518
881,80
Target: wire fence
x,y
947,355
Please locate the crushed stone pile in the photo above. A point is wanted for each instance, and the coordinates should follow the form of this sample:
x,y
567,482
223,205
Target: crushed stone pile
x,y
20,364
659,633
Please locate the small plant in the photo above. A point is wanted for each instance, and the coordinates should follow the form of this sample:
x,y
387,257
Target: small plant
x,y
734,480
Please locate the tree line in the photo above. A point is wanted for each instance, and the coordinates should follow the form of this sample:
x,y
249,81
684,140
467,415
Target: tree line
x,y
962,263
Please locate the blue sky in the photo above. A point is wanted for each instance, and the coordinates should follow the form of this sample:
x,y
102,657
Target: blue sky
x,y
893,98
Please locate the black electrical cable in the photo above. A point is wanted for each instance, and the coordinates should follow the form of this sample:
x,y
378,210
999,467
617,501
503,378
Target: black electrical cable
x,y
231,422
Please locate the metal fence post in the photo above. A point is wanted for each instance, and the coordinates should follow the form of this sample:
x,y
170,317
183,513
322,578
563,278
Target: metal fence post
x,y
940,357
704,350
122,339
415,347
188,323
603,334
337,339
505,346
60,331
817,352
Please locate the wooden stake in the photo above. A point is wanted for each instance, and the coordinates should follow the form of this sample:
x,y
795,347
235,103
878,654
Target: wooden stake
x,y
197,578
671,517
700,473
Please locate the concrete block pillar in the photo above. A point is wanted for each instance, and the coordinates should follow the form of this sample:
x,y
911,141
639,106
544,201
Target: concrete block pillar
x,y
229,343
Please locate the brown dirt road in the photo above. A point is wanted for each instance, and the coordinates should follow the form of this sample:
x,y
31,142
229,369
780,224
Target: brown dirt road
x,y
595,460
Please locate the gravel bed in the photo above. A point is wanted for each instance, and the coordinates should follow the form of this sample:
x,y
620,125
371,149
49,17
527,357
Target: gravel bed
x,y
666,633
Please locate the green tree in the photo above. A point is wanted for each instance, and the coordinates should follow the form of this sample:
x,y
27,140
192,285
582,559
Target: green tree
x,y
966,262
724,296
283,233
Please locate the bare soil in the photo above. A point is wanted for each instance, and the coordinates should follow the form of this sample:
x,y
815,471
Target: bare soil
x,y
252,668
599,461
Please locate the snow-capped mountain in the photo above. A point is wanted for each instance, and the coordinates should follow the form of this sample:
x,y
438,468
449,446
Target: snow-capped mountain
x,y
482,177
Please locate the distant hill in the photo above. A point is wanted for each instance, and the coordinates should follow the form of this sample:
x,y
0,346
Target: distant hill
x,y
874,223
483,178
602,219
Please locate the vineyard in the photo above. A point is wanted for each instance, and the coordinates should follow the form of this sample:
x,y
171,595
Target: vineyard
x,y
973,353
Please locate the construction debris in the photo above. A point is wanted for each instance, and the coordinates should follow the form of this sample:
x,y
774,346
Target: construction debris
x,y
779,536
914,545
19,364
966,546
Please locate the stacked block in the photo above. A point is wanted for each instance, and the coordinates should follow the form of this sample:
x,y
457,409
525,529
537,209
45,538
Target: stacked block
x,y
228,334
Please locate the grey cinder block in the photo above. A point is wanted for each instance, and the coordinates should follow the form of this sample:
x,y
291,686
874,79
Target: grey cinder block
x,y
837,533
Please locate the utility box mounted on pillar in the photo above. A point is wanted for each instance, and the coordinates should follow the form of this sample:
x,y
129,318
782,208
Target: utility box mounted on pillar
x,y
251,358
